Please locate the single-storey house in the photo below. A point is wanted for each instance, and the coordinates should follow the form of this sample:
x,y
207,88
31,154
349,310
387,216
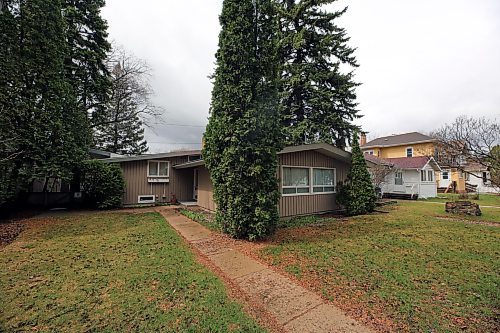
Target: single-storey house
x,y
405,177
308,177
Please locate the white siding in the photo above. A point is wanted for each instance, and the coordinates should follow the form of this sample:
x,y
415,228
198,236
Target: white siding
x,y
476,178
411,184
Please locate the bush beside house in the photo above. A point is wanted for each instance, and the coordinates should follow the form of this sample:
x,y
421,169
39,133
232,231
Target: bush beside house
x,y
357,196
103,184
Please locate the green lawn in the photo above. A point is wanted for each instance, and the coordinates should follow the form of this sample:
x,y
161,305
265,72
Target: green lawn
x,y
407,269
484,199
112,272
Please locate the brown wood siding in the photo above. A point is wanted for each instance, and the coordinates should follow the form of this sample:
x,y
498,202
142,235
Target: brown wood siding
x,y
205,190
136,178
313,203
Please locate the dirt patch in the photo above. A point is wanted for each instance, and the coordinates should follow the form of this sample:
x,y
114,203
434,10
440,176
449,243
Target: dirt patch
x,y
9,231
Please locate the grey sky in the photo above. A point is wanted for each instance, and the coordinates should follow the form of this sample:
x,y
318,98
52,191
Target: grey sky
x,y
422,63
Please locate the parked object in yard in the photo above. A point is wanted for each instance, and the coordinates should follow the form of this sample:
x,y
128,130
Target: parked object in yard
x,y
463,207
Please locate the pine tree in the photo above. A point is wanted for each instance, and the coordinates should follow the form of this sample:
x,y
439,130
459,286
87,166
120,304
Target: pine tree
x,y
358,195
318,99
242,137
87,49
121,130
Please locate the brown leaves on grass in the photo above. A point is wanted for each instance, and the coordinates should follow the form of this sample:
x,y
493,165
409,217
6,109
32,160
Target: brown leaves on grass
x,y
9,231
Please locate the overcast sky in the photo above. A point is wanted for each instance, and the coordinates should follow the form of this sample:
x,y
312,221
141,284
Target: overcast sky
x,y
422,63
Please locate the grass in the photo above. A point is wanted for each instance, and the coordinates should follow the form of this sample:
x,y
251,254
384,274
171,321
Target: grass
x,y
203,218
406,269
484,199
111,272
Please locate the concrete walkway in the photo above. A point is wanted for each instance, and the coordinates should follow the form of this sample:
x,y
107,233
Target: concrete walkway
x,y
293,307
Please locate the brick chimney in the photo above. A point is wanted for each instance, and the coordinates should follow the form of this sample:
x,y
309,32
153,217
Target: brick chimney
x,y
362,139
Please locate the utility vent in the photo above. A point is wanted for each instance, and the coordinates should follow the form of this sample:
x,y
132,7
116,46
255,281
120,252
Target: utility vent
x,y
146,199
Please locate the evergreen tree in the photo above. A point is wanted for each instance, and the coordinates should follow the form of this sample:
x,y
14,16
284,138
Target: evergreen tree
x,y
87,49
358,195
50,133
9,85
242,137
121,129
318,100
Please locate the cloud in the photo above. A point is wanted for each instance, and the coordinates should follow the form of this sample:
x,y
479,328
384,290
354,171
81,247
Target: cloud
x,y
421,63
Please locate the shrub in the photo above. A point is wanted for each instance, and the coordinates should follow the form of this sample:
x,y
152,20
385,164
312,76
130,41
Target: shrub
x,y
358,194
103,184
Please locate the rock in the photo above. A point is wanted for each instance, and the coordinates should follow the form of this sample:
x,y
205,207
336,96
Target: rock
x,y
463,207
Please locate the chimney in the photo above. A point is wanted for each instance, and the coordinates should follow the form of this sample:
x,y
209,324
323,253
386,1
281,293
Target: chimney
x,y
362,139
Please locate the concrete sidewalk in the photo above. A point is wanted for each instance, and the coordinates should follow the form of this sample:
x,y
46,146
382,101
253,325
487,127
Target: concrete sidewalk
x,y
293,307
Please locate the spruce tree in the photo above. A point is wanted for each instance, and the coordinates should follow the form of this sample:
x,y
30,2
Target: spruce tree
x,y
242,137
318,99
87,50
121,129
358,195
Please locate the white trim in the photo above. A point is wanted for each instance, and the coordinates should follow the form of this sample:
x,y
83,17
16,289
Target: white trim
x,y
412,151
158,169
151,201
311,181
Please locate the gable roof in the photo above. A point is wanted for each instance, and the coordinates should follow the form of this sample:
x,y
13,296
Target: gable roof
x,y
397,140
417,163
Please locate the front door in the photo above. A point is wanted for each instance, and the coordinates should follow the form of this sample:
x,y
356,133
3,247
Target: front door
x,y
399,185
445,178
195,184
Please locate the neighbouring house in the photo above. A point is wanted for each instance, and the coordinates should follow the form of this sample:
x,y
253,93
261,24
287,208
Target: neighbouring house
x,y
404,177
479,177
411,145
308,177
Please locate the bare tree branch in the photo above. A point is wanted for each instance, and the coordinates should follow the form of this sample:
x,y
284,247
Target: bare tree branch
x,y
467,140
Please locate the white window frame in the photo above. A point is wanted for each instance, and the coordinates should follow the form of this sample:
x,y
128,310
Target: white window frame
x,y
396,174
311,181
369,152
426,175
158,169
447,175
412,152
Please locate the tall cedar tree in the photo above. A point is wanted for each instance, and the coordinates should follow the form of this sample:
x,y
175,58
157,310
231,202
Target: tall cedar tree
x,y
358,195
9,85
49,131
242,137
121,129
318,99
85,61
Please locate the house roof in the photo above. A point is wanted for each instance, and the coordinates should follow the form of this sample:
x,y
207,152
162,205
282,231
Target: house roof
x,y
152,156
404,162
398,140
102,153
323,148
475,166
